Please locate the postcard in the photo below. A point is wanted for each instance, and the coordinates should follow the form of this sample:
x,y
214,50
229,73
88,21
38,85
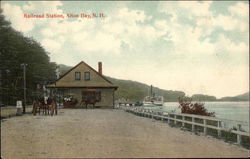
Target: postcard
x,y
124,79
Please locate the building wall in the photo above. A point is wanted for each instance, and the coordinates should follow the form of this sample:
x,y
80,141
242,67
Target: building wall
x,y
74,87
107,96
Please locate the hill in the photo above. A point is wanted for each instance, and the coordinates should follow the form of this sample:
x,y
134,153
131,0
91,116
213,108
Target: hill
x,y
136,91
63,68
133,90
241,97
202,97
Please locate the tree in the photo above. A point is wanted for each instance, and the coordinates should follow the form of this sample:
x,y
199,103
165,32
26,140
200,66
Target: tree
x,y
16,49
188,107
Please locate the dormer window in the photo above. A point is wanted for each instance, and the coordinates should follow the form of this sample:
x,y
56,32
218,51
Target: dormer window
x,y
77,75
86,76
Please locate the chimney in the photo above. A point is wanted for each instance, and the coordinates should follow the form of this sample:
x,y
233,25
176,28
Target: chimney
x,y
100,67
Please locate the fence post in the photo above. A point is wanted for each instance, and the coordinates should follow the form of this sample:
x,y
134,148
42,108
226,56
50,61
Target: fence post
x,y
162,116
168,118
238,135
183,118
193,129
219,129
205,126
174,119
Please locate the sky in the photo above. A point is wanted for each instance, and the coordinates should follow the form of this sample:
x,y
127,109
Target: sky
x,y
199,47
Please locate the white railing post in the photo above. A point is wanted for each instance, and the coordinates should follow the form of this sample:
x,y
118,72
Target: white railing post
x,y
205,126
168,118
193,129
183,124
238,135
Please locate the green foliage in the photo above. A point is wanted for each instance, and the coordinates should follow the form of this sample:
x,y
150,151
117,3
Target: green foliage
x,y
16,49
136,91
202,97
186,105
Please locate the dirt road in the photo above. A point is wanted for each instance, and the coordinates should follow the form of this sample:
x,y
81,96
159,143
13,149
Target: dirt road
x,y
104,133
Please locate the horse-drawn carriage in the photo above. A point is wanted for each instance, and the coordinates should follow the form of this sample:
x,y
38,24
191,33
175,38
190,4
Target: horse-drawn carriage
x,y
45,104
69,101
90,96
49,105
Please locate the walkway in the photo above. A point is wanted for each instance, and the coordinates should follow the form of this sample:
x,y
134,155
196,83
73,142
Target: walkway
x,y
106,133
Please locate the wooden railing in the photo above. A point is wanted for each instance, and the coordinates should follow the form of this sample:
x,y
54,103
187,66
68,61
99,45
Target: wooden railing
x,y
205,121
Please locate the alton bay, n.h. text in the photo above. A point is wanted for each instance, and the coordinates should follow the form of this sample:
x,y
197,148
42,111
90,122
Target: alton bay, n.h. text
x,y
62,16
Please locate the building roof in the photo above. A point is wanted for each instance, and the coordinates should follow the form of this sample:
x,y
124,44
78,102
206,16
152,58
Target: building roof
x,y
108,84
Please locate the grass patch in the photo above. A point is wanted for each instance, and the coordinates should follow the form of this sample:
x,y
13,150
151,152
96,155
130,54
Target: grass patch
x,y
212,122
171,115
178,117
188,118
229,136
199,128
245,141
212,132
178,124
197,120
188,126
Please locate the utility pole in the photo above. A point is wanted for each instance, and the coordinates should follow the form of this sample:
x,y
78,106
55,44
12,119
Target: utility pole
x,y
24,87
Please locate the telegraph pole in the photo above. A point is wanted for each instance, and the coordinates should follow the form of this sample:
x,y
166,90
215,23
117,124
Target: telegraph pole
x,y
24,87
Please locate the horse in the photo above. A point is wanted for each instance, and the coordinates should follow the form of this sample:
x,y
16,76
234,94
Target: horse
x,y
90,96
88,101
39,104
53,108
48,106
36,105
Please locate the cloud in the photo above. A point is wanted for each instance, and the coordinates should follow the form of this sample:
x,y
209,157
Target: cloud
x,y
40,7
195,8
131,16
241,9
51,45
180,51
106,36
229,23
14,14
66,27
230,47
100,43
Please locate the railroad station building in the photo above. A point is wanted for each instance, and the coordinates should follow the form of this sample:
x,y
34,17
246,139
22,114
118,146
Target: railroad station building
x,y
81,78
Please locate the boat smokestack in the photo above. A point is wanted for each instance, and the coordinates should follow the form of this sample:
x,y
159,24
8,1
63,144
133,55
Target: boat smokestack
x,y
100,67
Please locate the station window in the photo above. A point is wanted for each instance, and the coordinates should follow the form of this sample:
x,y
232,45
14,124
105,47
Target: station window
x,y
77,75
86,76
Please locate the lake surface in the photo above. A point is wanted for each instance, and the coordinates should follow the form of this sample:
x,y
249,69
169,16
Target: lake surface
x,y
225,110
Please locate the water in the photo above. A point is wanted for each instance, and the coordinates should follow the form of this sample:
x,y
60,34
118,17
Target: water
x,y
225,110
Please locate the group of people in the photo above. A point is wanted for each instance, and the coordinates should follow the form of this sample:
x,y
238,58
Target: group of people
x,y
46,105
